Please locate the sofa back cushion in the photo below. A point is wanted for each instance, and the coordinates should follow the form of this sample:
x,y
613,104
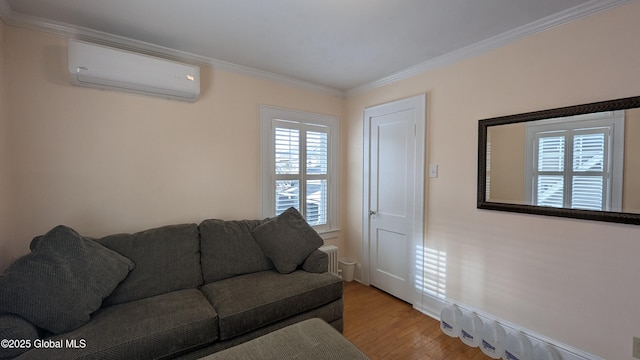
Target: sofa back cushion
x,y
229,249
167,259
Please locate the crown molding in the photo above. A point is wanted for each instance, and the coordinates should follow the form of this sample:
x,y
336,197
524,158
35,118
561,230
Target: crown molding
x,y
10,17
575,13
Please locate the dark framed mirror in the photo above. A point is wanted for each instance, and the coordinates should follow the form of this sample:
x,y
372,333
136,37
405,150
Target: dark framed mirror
x,y
579,162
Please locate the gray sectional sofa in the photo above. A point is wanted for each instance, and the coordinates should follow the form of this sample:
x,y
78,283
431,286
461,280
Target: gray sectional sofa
x,y
178,291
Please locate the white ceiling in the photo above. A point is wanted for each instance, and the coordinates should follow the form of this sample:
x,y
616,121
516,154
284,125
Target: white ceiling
x,y
338,45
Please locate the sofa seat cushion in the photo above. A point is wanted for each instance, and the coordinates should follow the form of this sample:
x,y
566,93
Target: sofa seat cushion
x,y
62,281
157,327
248,302
167,259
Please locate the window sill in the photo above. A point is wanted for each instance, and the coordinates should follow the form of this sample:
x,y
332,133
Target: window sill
x,y
329,234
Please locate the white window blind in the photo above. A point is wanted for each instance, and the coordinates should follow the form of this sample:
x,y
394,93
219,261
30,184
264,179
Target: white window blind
x,y
588,188
574,162
301,176
580,186
317,176
299,163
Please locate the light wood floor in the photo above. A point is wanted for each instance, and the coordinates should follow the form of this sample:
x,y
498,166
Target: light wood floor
x,y
384,327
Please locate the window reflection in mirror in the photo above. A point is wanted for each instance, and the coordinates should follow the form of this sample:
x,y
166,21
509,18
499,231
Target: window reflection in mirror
x,y
588,161
576,162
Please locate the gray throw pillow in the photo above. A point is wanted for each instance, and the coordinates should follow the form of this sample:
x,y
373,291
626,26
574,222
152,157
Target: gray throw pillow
x,y
62,281
287,240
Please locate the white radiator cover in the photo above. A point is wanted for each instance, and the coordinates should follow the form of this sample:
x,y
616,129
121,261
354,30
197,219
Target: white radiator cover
x,y
332,251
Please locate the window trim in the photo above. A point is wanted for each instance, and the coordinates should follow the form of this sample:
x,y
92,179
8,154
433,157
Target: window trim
x,y
270,114
613,120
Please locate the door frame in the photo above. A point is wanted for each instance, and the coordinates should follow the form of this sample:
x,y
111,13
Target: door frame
x,y
418,102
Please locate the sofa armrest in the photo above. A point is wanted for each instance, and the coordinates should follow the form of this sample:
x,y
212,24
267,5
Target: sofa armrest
x,y
14,327
316,262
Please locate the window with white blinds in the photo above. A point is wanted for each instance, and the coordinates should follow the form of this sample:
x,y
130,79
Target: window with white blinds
x,y
299,165
576,161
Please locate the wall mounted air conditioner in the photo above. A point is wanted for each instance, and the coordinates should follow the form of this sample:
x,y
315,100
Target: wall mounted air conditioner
x,y
107,68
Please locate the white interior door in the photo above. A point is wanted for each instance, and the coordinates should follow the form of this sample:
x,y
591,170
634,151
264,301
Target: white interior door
x,y
394,178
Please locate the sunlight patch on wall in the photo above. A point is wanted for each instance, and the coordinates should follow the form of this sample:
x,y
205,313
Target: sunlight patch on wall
x,y
431,272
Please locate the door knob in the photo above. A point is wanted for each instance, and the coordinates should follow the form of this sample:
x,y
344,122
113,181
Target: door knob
x,y
371,212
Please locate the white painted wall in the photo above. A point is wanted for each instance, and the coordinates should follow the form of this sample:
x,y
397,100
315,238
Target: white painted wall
x,y
570,280
104,162
5,176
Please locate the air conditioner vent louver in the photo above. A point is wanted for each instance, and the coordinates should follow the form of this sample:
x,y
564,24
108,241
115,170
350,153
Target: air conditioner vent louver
x,y
107,68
